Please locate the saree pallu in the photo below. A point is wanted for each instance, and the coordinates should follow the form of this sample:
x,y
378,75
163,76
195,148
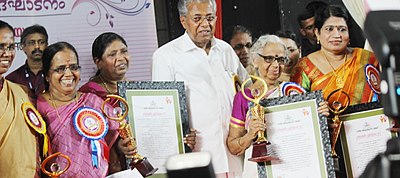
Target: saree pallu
x,y
353,76
65,139
18,149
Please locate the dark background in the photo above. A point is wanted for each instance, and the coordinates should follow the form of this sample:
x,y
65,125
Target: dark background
x,y
260,16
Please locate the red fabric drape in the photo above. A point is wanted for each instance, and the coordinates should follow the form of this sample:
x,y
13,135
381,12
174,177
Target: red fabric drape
x,y
218,25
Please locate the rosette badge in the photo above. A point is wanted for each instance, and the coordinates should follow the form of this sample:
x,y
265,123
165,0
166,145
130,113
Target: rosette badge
x,y
93,126
35,121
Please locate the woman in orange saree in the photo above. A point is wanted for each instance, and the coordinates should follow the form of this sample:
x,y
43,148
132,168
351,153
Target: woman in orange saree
x,y
351,77
336,66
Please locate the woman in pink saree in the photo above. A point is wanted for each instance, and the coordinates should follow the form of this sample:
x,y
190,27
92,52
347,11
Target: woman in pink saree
x,y
59,106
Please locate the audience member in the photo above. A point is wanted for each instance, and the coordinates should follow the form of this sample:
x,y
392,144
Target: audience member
x,y
290,41
19,153
240,38
34,40
306,22
206,65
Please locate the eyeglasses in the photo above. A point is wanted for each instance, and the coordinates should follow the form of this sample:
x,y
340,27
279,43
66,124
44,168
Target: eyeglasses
x,y
241,46
63,68
39,42
198,18
4,48
270,59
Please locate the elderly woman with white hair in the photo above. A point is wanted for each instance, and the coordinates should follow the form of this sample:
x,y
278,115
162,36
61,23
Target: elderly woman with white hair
x,y
269,55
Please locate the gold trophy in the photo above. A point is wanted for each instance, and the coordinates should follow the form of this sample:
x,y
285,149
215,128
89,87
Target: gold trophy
x,y
260,152
55,167
139,162
336,107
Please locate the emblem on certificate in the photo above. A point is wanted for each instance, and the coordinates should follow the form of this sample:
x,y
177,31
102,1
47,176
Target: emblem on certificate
x,y
139,162
92,125
373,78
291,88
35,121
260,152
55,169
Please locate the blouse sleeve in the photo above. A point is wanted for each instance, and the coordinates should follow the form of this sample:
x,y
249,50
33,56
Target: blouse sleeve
x,y
240,108
299,75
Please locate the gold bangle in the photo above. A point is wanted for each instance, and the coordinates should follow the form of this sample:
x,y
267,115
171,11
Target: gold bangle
x,y
240,145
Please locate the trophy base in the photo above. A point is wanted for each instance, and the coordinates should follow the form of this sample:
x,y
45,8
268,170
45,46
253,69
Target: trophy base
x,y
144,167
263,159
260,153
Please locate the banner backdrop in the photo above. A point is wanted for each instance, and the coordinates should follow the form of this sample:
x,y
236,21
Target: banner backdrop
x,y
79,22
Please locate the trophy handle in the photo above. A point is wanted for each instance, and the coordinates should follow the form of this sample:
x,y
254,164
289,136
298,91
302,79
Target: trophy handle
x,y
56,173
337,111
119,117
257,98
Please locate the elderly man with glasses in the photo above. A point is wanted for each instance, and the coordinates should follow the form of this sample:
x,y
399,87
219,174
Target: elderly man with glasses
x,y
34,40
206,65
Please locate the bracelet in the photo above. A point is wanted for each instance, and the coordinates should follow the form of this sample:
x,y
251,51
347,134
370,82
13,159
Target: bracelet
x,y
240,145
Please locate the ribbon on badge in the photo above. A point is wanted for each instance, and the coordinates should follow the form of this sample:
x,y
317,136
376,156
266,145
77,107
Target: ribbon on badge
x,y
373,78
291,88
35,121
92,125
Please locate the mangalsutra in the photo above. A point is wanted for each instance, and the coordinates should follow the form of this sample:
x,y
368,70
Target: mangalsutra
x,y
339,78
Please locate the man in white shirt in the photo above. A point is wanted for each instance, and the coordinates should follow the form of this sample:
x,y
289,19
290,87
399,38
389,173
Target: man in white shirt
x,y
206,65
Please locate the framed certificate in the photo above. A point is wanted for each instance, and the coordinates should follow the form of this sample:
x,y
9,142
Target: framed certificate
x,y
299,137
364,134
158,118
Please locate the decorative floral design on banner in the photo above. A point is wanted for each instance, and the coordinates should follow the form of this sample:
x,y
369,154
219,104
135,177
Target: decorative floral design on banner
x,y
104,9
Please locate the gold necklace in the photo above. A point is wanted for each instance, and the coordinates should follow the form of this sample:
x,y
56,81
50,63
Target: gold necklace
x,y
339,80
55,106
105,84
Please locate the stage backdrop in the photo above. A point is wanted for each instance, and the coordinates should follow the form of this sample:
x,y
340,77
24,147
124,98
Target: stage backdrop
x,y
79,22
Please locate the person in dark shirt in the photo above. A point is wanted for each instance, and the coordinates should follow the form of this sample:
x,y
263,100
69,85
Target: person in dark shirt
x,y
308,40
34,40
306,22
